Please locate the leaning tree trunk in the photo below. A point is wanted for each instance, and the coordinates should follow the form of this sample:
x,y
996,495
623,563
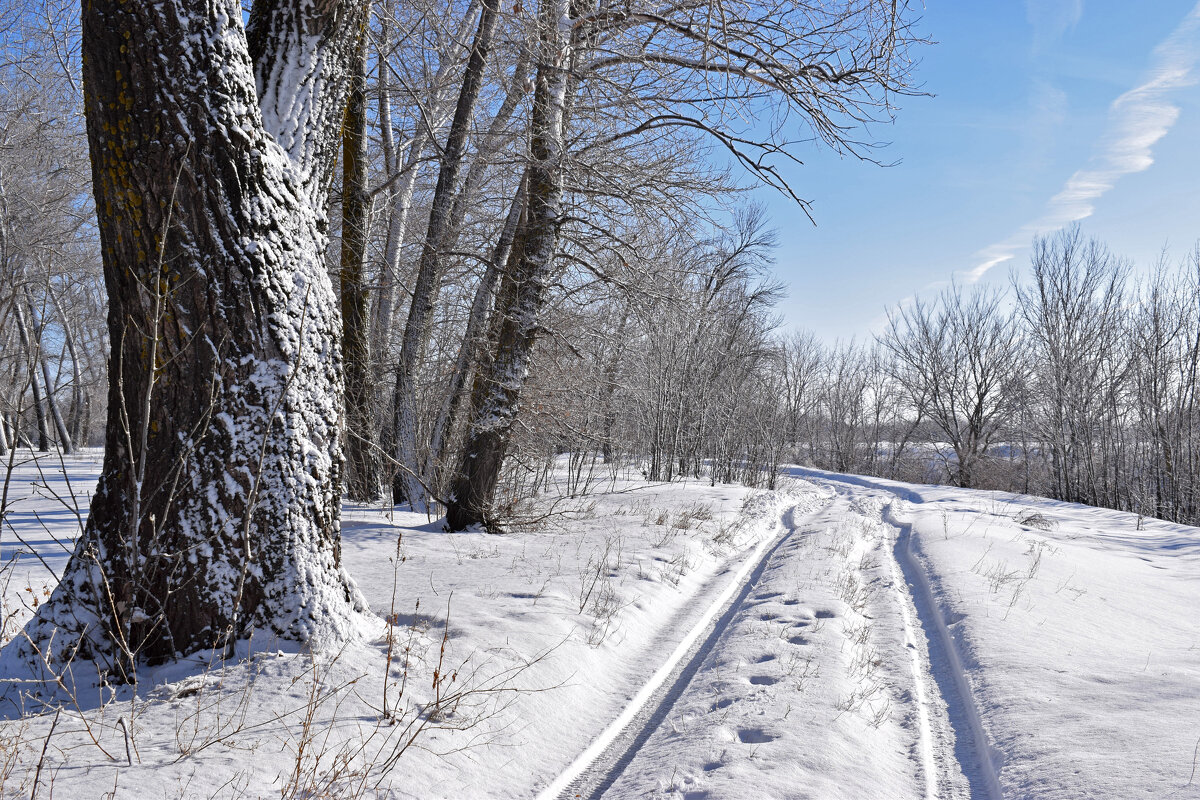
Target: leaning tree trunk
x,y
498,383
473,341
481,306
217,511
409,481
404,173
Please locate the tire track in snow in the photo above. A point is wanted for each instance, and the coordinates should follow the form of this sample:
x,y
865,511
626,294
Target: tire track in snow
x,y
974,753
595,770
939,768
975,756
935,776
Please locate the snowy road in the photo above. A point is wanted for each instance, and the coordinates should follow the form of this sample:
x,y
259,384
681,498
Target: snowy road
x,y
814,680
594,772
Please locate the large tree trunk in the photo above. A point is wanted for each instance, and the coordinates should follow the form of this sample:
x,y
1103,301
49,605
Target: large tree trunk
x,y
499,381
217,511
409,482
362,456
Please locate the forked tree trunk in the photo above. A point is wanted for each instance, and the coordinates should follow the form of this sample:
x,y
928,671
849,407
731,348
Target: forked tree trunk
x,y
473,341
60,426
76,424
470,347
499,380
217,511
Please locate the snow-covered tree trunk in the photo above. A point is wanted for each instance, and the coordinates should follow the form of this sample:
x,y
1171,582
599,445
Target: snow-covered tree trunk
x,y
500,379
217,510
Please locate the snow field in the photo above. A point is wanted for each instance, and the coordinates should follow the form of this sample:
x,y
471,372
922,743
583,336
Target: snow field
x,y
843,637
1074,630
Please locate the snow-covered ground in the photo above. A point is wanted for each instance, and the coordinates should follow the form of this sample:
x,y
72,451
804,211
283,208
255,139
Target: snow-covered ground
x,y
842,637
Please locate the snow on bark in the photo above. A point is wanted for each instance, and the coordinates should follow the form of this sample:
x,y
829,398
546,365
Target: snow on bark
x,y
218,508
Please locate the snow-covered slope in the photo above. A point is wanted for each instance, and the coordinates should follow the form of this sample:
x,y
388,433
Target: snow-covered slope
x,y
840,638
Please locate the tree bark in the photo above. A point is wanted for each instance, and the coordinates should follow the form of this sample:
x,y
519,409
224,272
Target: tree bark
x,y
498,383
409,481
362,455
218,507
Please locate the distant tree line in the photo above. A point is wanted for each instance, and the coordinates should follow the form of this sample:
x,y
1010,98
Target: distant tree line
x,y
1080,383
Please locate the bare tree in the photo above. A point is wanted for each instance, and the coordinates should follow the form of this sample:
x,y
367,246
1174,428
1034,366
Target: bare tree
x,y
408,485
958,360
697,68
1074,316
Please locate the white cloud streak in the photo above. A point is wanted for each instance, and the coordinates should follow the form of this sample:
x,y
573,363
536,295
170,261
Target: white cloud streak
x,y
1137,120
1052,18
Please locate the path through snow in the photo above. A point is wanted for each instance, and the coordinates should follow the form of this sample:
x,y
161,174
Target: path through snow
x,y
815,681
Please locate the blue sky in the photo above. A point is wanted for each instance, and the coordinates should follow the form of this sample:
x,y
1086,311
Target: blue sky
x,y
1042,112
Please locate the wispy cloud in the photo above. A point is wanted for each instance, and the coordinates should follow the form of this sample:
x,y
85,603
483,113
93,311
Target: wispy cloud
x,y
1052,18
1137,120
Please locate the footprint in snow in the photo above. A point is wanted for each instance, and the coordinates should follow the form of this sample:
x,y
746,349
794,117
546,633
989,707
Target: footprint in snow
x,y
763,680
755,736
